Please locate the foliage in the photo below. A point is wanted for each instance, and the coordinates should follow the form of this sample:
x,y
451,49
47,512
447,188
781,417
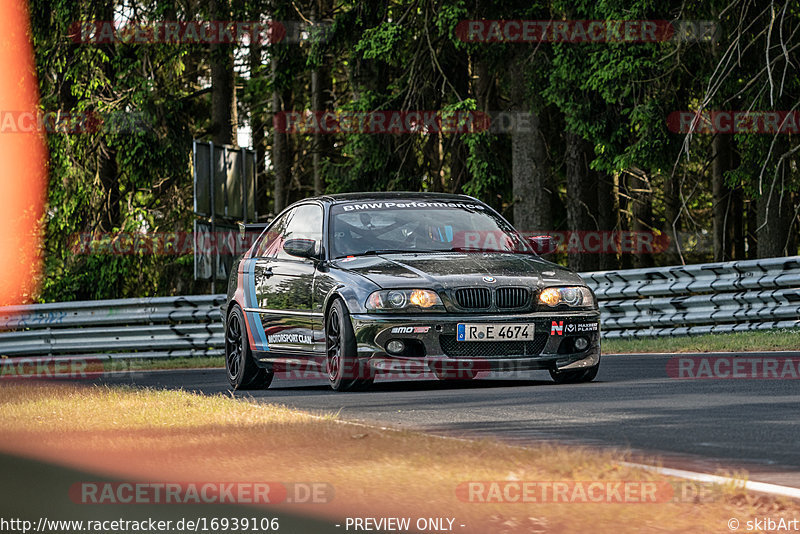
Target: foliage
x,y
401,56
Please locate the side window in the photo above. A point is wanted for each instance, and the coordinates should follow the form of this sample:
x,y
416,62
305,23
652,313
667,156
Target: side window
x,y
303,222
270,237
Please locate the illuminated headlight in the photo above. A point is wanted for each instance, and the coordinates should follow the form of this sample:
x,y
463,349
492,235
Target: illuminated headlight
x,y
570,295
404,299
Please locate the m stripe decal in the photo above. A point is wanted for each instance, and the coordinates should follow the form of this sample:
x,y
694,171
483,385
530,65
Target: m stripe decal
x,y
259,336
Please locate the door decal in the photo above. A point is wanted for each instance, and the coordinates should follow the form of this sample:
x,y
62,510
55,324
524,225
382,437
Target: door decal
x,y
255,330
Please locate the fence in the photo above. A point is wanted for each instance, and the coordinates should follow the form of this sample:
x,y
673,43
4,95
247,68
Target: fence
x,y
159,327
667,301
699,299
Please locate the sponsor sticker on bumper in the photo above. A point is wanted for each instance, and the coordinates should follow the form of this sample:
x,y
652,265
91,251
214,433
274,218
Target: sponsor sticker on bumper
x,y
410,329
559,328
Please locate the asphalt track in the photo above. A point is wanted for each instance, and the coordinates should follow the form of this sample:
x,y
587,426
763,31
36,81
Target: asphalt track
x,y
634,404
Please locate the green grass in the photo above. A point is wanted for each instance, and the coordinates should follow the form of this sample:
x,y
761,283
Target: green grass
x,y
734,342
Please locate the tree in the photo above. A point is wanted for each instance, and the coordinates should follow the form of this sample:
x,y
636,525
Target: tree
x,y
224,121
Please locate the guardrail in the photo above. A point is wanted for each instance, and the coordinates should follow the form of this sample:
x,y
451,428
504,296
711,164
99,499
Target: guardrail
x,y
667,301
699,299
158,327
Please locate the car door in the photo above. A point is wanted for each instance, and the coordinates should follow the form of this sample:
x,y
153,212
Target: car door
x,y
284,282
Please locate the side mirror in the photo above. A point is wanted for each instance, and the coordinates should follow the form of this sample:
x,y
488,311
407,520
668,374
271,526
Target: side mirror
x,y
302,248
542,244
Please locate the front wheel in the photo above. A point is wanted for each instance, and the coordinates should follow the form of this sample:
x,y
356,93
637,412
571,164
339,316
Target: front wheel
x,y
243,372
344,371
575,376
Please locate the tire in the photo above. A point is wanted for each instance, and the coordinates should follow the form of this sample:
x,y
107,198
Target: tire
x,y
345,373
241,368
574,376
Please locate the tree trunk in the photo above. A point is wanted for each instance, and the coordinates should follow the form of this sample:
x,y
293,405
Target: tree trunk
x,y
581,200
258,128
459,172
721,202
607,216
321,91
529,170
775,217
626,215
485,91
672,220
320,148
738,216
431,151
224,119
530,178
280,142
751,237
642,218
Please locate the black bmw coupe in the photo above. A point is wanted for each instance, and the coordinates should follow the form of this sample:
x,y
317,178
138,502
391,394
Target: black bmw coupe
x,y
349,286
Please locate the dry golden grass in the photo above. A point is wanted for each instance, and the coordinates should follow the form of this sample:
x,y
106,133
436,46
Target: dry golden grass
x,y
181,436
105,408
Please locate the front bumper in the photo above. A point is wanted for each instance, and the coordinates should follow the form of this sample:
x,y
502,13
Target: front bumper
x,y
431,344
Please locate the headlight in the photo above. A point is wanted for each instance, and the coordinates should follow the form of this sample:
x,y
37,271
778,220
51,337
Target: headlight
x,y
405,299
571,296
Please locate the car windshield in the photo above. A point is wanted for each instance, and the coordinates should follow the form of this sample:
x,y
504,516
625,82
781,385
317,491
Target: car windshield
x,y
380,227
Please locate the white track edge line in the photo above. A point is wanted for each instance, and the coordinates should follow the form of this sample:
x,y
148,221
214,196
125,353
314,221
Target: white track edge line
x,y
760,487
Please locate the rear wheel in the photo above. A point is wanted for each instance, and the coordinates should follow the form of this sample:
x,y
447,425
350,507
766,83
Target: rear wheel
x,y
575,376
344,371
243,372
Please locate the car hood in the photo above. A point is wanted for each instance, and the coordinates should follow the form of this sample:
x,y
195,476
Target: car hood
x,y
457,269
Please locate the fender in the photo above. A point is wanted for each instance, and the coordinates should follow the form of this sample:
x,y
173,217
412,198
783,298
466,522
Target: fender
x,y
348,295
245,297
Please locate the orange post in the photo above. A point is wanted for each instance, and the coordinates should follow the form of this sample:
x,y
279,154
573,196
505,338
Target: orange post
x,y
23,158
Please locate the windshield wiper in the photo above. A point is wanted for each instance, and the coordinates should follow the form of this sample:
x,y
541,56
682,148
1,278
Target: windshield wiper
x,y
488,250
384,251
470,249
376,252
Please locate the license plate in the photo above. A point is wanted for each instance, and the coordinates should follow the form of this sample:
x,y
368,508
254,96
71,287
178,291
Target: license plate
x,y
494,332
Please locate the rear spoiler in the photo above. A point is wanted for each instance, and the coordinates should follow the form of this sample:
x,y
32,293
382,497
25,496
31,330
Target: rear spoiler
x,y
244,229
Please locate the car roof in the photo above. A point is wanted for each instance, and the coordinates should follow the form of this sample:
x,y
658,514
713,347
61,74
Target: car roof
x,y
386,195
